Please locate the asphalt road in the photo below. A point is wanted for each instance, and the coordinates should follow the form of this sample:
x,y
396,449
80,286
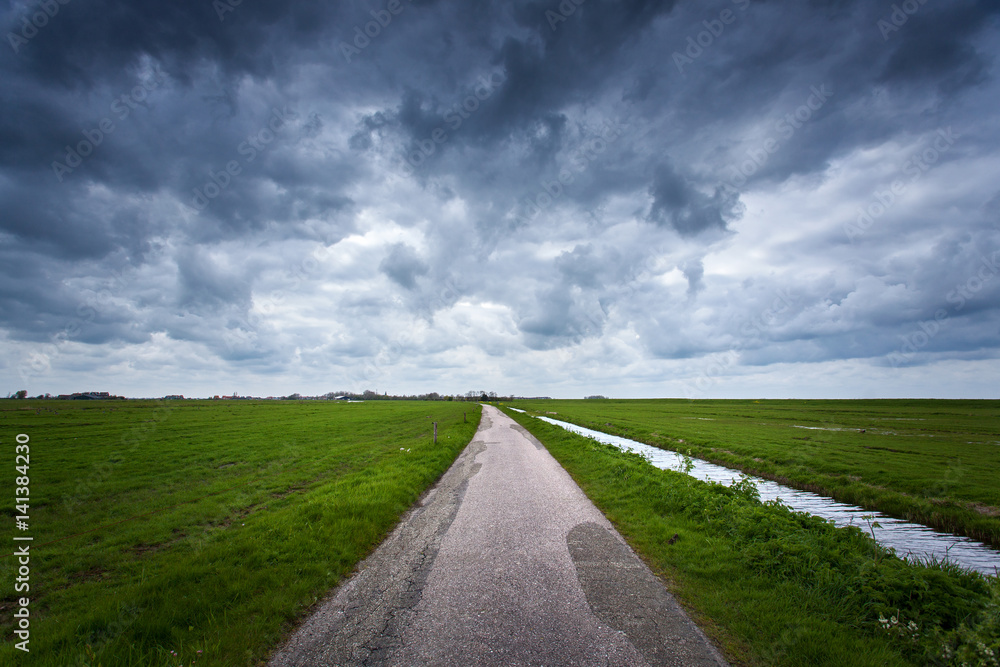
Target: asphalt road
x,y
504,562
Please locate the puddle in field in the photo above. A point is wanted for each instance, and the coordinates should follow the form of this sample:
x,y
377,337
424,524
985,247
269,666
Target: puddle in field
x,y
824,428
908,539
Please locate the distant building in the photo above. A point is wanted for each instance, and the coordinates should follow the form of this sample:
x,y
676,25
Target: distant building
x,y
89,396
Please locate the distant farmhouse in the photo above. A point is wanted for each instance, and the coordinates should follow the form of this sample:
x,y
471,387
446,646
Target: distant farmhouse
x,y
90,396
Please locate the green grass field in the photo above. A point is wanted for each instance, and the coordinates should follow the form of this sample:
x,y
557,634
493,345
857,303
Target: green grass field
x,y
199,532
771,586
935,462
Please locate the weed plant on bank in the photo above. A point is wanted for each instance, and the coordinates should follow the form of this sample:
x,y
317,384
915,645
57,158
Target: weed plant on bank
x,y
777,587
200,532
934,462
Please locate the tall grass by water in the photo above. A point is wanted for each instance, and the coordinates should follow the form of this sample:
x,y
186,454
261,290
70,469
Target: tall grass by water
x,y
934,462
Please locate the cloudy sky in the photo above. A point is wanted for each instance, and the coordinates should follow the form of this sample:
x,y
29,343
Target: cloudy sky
x,y
734,198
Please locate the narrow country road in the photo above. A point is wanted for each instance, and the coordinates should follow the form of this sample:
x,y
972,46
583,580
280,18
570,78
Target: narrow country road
x,y
505,562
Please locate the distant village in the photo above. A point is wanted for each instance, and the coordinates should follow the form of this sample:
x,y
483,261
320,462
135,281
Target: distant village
x,y
367,395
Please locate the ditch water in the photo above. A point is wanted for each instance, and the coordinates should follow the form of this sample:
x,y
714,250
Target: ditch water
x,y
907,539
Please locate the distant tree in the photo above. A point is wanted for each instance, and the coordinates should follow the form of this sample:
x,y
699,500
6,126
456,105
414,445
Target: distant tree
x,y
596,397
23,393
335,394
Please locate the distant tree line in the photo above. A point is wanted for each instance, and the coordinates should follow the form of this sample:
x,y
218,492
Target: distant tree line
x,y
85,395
366,395
369,395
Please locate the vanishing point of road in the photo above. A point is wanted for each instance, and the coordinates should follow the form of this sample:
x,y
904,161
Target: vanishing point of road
x,y
504,562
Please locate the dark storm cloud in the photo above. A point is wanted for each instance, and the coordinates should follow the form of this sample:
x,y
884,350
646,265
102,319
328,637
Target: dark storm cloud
x,y
205,284
403,265
514,92
933,44
559,318
582,266
769,60
679,204
694,271
516,177
86,42
569,54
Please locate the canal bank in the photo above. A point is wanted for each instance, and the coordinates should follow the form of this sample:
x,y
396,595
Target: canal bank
x,y
908,540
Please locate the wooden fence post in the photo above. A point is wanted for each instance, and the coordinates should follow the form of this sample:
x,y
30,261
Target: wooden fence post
x,y
435,432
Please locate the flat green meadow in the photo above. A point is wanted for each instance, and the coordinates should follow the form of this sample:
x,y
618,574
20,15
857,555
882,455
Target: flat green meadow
x,y
935,462
200,532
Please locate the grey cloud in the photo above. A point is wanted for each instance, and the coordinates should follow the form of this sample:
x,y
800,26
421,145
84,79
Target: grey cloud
x,y
204,285
933,44
581,266
558,319
694,271
403,265
680,204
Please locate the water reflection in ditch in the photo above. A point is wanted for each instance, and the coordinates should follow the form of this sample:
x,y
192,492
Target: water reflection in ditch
x,y
908,539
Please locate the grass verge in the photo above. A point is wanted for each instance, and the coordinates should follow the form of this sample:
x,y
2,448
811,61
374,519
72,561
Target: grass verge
x,y
200,532
775,587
